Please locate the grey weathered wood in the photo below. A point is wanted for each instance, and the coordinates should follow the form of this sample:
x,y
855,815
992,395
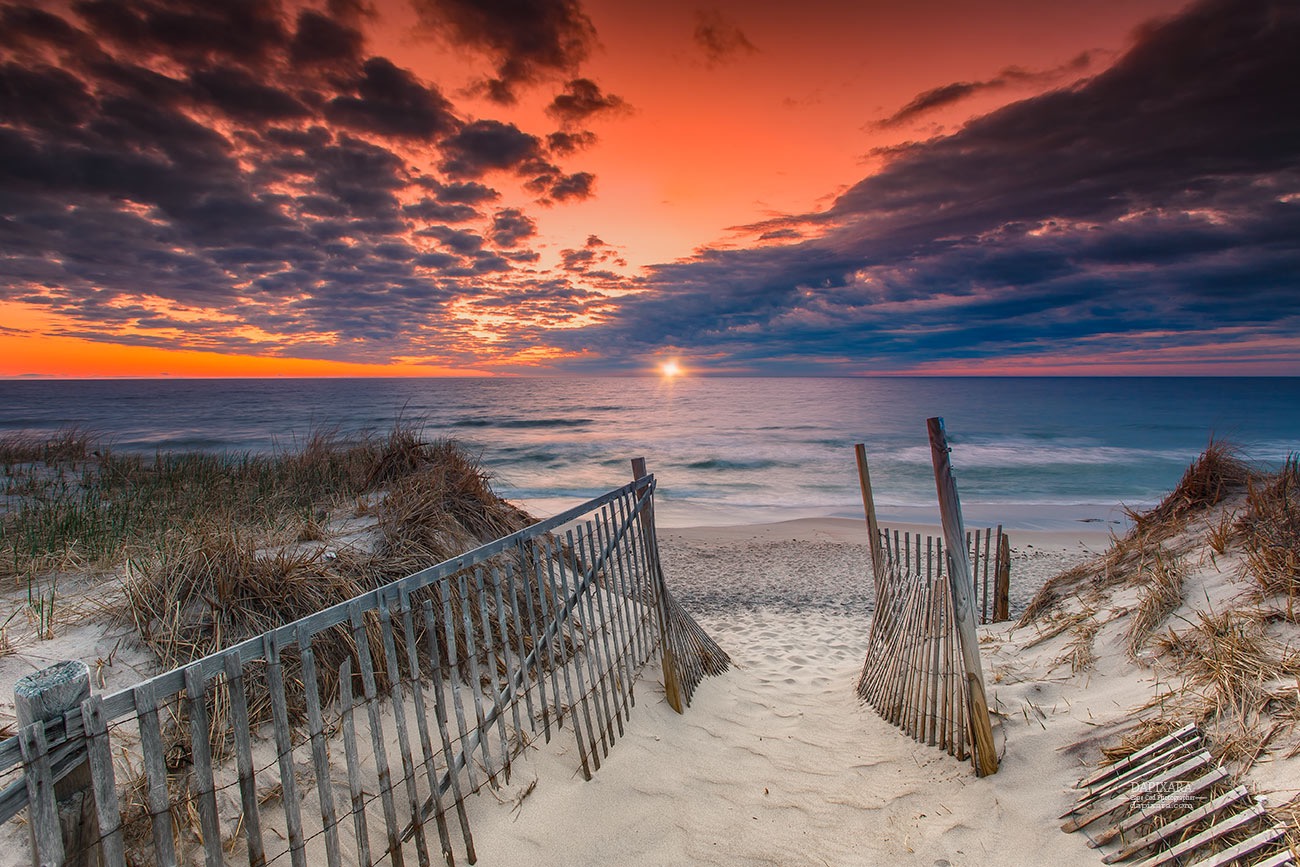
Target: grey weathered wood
x,y
1177,798
559,620
107,807
397,700
449,633
347,709
158,798
986,757
512,658
611,612
239,728
1244,848
1153,765
440,718
49,696
43,809
530,578
1106,806
422,725
319,751
1175,826
493,654
284,752
201,755
869,507
672,685
1279,859
1002,602
475,680
581,658
1187,732
1209,835
377,742
597,642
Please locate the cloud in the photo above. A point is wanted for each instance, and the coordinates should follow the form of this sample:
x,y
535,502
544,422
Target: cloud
x,y
491,145
510,226
527,39
566,143
581,99
390,101
720,39
948,94
1152,208
242,177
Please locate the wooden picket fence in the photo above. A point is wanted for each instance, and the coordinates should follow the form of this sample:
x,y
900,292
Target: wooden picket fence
x,y
263,753
922,671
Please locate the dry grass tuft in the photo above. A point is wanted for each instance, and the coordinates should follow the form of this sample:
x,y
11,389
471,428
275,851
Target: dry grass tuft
x,y
1271,531
1210,479
1161,580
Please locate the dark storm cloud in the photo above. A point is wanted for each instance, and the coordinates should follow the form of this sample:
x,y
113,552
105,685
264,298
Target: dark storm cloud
x,y
490,145
582,98
527,39
511,226
1154,206
390,101
947,94
249,161
719,38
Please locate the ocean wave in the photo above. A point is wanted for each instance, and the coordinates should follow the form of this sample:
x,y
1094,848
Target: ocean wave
x,y
1025,454
522,423
725,464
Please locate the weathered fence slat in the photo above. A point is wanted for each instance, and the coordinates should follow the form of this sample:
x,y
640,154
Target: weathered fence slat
x,y
319,752
440,717
370,696
47,836
355,792
239,727
201,754
103,779
397,700
158,798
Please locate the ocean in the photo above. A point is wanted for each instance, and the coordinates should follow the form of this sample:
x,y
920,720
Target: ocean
x,y
1031,453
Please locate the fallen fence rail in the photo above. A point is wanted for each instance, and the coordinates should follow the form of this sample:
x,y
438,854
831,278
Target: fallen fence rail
x,y
267,753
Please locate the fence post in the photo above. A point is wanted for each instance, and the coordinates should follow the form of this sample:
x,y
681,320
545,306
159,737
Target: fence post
x,y
672,688
959,578
869,506
45,696
1002,597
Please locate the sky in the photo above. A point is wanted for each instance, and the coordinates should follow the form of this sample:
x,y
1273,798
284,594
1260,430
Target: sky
x,y
503,187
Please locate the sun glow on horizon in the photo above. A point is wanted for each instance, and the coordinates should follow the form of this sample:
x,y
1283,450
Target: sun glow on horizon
x,y
670,369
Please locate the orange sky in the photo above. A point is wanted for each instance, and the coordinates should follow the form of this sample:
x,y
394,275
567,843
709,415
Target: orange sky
x,y
777,123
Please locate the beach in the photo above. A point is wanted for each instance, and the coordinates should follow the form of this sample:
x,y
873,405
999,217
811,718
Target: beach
x,y
777,761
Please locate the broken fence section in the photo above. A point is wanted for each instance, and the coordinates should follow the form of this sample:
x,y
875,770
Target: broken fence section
x,y
355,735
1172,803
922,671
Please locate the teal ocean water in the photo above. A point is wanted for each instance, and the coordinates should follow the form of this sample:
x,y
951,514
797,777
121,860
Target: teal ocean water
x,y
1031,452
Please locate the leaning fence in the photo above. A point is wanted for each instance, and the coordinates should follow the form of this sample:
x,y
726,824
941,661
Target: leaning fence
x,y
989,550
355,735
922,671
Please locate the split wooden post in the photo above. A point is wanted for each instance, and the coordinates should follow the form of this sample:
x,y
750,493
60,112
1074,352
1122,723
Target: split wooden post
x,y
869,506
1002,594
672,687
959,579
45,696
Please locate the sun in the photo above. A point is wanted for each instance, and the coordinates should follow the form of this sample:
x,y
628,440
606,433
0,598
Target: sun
x,y
671,369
